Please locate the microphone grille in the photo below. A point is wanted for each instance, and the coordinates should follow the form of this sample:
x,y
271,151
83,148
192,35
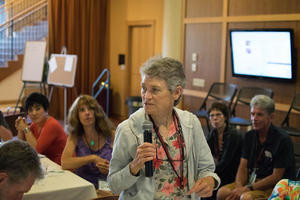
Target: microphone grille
x,y
147,125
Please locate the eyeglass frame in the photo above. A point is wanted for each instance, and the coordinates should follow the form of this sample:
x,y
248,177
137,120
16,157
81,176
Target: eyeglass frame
x,y
216,115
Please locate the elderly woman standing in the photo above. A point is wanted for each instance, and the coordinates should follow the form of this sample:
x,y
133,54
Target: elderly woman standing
x,y
90,139
183,165
45,133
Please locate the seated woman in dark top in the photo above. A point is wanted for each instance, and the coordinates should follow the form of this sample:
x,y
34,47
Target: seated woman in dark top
x,y
90,139
225,143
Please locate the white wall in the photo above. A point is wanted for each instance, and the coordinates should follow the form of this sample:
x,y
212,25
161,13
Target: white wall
x,y
172,22
10,87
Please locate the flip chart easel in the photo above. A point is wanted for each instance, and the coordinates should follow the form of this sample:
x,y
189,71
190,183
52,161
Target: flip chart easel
x,y
62,71
33,65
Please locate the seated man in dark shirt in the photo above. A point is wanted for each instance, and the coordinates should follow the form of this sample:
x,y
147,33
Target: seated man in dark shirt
x,y
267,157
5,133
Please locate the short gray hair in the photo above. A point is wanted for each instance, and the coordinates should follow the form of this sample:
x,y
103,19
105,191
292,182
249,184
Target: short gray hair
x,y
19,160
167,69
263,102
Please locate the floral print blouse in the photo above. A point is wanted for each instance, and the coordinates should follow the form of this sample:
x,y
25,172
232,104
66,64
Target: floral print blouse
x,y
167,183
286,189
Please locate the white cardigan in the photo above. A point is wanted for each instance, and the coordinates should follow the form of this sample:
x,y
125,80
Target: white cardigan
x,y
129,135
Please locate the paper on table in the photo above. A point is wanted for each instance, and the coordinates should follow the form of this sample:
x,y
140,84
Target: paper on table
x,y
103,185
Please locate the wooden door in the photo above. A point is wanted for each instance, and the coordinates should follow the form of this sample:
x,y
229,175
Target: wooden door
x,y
141,48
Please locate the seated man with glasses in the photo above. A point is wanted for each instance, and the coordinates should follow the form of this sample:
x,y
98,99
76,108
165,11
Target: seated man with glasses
x,y
225,143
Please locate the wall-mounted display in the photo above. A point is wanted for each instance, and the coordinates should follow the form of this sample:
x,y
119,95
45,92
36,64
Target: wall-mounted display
x,y
263,53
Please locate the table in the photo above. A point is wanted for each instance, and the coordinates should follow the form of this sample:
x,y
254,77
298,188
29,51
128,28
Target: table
x,y
105,195
104,192
60,184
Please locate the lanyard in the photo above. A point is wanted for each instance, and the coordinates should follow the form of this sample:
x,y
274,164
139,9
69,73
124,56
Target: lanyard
x,y
260,153
253,173
181,144
259,157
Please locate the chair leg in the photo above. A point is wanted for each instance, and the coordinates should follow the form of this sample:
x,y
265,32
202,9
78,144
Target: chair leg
x,y
206,129
207,124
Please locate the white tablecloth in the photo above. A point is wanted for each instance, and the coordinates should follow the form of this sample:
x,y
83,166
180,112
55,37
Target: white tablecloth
x,y
60,185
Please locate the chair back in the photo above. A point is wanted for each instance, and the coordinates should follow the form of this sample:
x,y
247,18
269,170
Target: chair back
x,y
11,118
295,105
133,103
221,91
293,132
247,93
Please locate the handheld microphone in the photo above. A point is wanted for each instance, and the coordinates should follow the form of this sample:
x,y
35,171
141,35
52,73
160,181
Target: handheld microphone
x,y
147,128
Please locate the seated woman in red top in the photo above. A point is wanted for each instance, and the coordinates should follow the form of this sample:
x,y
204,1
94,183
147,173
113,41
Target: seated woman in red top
x,y
45,134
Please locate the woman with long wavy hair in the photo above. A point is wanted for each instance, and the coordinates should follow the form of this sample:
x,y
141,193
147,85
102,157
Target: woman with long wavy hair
x,y
90,139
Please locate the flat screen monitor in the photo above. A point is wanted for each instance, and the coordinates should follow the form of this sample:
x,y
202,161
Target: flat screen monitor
x,y
263,53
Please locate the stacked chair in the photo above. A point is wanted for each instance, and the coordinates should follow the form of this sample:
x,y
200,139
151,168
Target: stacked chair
x,y
133,103
294,132
295,106
219,91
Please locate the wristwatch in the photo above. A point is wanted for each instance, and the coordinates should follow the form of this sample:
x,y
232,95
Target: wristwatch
x,y
26,130
250,187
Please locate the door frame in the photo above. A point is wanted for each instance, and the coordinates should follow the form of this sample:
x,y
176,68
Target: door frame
x,y
130,26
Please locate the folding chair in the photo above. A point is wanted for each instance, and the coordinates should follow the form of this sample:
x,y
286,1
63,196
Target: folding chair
x,y
295,105
219,91
133,103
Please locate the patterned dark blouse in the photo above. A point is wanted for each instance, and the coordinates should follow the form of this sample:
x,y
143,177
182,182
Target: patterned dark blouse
x,y
89,171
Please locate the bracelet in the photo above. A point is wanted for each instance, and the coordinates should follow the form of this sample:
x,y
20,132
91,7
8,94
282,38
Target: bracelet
x,y
26,130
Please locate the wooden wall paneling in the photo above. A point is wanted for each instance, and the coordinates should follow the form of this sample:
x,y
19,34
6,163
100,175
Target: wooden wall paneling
x,y
203,8
183,13
294,120
297,47
258,7
205,40
280,115
192,103
223,43
201,16
264,18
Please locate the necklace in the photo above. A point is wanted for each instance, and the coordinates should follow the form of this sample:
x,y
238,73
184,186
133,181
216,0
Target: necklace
x,y
92,143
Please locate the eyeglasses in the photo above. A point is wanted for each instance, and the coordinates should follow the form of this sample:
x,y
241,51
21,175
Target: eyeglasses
x,y
215,115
